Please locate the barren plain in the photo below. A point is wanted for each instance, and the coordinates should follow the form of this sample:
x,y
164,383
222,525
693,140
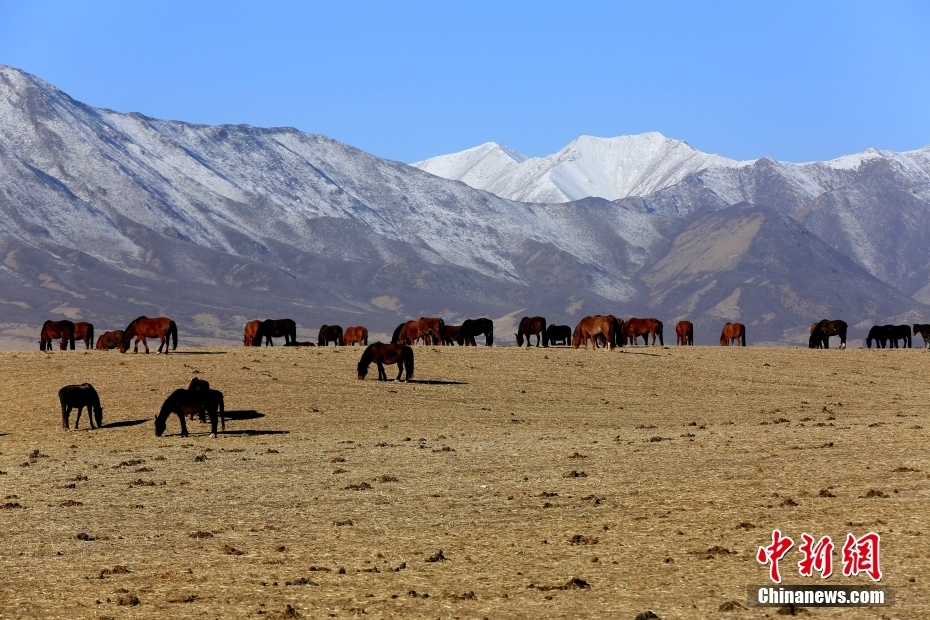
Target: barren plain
x,y
501,483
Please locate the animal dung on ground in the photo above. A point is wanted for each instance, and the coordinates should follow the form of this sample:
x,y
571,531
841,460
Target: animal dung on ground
x,y
231,550
438,557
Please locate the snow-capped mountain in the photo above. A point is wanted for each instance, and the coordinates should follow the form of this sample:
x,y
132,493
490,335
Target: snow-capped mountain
x,y
608,168
105,216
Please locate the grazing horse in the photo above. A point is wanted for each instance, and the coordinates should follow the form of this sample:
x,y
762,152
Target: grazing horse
x,y
252,334
188,402
330,333
559,334
878,333
532,326
733,333
592,327
822,330
143,327
85,332
80,396
451,334
924,330
475,327
109,340
382,354
56,329
275,328
355,335
889,334
433,327
684,333
644,327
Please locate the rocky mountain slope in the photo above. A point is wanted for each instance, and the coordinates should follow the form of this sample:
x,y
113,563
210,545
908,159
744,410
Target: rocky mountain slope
x,y
105,216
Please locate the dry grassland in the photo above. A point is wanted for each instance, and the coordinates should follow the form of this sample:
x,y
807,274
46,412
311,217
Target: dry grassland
x,y
651,475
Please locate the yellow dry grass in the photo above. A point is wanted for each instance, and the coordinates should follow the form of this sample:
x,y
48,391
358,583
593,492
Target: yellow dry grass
x,y
333,500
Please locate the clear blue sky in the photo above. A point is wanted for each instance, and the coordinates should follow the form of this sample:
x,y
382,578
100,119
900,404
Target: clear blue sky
x,y
407,80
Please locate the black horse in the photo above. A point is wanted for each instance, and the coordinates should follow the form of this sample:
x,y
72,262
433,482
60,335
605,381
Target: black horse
x,y
80,396
476,327
189,402
275,328
559,334
382,354
822,330
330,333
889,334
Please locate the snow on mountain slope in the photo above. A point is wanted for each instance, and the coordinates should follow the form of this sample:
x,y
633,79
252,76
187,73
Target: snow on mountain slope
x,y
608,168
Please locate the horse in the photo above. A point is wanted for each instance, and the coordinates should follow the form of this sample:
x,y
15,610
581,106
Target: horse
x,y
56,329
475,327
532,326
924,330
559,334
80,396
644,327
451,334
822,330
433,327
381,354
733,332
684,333
330,333
109,340
889,334
591,327
275,328
252,334
182,402
878,333
356,335
397,337
85,332
143,327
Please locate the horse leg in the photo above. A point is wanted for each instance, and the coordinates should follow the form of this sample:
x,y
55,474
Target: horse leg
x,y
400,369
382,375
184,432
213,421
65,414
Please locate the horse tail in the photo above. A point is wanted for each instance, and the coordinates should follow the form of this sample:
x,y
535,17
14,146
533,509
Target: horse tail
x,y
659,328
544,339
365,336
341,340
90,335
408,362
743,334
173,333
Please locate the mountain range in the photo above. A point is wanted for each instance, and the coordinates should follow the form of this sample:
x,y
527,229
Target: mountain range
x,y
105,216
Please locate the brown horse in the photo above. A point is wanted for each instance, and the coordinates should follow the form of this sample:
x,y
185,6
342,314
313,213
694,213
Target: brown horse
x,y
924,330
85,332
821,332
644,327
532,326
433,326
382,354
109,340
275,328
330,333
357,335
684,333
451,334
733,333
593,326
430,330
475,327
143,327
252,334
56,329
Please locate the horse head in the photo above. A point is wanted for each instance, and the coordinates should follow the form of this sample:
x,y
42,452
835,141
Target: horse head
x,y
160,426
519,336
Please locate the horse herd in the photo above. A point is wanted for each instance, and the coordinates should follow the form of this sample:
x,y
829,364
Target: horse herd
x,y
141,328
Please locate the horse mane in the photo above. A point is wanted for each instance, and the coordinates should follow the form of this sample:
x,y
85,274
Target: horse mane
x,y
167,409
365,362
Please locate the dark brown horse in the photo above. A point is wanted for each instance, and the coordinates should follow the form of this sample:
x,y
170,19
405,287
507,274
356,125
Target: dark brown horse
x,y
451,334
822,330
684,333
189,402
382,354
356,335
559,334
475,327
593,326
84,332
924,330
532,326
80,396
56,329
143,327
644,327
275,328
733,333
890,334
330,333
252,334
109,340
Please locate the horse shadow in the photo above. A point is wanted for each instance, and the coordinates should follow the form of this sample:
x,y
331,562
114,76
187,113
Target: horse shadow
x,y
243,414
435,382
252,432
198,353
124,423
